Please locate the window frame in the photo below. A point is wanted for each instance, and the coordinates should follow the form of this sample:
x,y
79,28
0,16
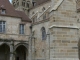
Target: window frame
x,y
44,16
43,32
23,3
22,29
2,23
3,11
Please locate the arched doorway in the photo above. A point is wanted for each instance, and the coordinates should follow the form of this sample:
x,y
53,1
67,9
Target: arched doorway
x,y
4,52
21,53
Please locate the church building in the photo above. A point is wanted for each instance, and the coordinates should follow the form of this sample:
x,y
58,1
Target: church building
x,y
40,30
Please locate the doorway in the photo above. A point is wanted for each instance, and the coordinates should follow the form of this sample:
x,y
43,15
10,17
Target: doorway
x,y
20,53
4,52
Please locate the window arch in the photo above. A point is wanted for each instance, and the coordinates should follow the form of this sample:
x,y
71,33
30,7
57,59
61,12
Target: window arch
x,y
43,9
43,33
27,4
44,16
23,3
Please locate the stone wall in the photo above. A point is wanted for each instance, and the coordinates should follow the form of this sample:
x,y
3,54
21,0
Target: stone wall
x,y
40,47
64,32
12,29
65,14
63,43
39,9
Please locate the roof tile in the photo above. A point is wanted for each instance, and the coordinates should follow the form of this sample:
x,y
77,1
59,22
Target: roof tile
x,y
10,11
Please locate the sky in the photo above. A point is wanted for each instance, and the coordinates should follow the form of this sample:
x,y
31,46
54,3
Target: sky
x,y
10,0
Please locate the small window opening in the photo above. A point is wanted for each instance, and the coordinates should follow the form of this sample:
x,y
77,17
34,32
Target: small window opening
x,y
43,9
3,11
34,3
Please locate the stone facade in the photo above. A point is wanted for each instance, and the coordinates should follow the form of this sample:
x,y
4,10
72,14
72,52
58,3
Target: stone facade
x,y
61,21
14,33
12,39
22,5
64,31
12,28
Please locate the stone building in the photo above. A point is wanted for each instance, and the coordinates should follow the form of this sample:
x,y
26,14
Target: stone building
x,y
55,33
14,32
58,21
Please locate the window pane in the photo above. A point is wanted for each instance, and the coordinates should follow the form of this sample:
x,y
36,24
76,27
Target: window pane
x,y
3,11
23,4
0,22
0,28
3,22
3,28
21,29
43,33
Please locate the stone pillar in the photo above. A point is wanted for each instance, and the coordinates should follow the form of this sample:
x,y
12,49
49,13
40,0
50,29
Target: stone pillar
x,y
30,49
11,50
48,46
30,44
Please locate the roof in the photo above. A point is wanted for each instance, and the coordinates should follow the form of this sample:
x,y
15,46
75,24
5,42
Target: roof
x,y
23,15
39,2
10,11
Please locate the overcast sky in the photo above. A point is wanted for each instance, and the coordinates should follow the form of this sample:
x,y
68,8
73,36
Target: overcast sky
x,y
10,0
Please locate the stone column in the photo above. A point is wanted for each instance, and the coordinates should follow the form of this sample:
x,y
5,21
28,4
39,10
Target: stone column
x,y
48,46
11,50
30,49
30,43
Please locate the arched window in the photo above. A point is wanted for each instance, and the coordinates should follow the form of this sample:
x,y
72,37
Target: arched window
x,y
44,16
43,33
43,9
17,3
27,4
23,3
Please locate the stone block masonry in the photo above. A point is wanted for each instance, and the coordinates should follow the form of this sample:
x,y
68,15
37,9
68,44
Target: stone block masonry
x,y
63,44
